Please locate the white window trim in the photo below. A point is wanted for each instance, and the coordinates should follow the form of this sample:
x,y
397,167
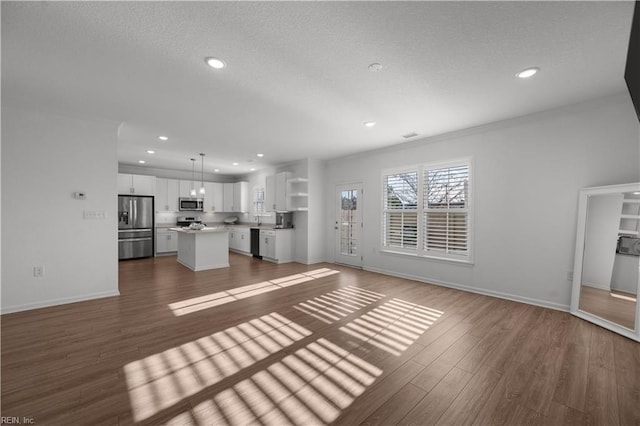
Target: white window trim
x,y
419,252
395,171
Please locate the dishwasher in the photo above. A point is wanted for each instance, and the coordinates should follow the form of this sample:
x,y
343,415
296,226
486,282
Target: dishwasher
x,y
255,242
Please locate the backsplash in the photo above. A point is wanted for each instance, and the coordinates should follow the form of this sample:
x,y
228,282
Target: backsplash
x,y
210,217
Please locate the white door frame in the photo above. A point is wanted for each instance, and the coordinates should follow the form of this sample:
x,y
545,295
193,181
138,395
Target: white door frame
x,y
354,257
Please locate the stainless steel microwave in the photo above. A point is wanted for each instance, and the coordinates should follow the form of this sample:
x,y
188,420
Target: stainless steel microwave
x,y
628,245
190,204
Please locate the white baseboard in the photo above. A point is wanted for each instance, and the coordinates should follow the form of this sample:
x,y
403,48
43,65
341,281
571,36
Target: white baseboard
x,y
244,253
56,302
309,261
595,285
498,294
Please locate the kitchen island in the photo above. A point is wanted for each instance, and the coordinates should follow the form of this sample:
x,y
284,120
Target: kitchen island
x,y
203,249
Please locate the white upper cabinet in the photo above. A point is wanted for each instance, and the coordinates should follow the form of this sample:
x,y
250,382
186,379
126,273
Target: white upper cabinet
x,y
270,193
185,188
161,203
227,197
125,183
236,197
136,184
286,193
213,197
241,197
167,193
281,191
218,197
275,192
173,192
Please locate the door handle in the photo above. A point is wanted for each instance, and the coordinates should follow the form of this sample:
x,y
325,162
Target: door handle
x,y
133,240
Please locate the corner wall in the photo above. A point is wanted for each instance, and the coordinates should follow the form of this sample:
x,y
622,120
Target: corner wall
x,y
45,158
527,173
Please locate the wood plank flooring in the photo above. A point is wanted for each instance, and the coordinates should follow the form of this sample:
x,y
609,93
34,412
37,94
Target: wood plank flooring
x,y
601,303
259,343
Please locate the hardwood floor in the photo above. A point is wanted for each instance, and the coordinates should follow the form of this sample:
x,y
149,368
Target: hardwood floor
x,y
616,309
259,343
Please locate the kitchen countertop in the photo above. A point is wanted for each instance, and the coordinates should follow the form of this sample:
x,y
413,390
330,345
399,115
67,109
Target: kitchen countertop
x,y
165,225
207,248
206,230
270,227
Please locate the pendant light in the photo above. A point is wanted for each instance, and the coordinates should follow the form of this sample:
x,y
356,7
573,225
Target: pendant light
x,y
192,193
202,175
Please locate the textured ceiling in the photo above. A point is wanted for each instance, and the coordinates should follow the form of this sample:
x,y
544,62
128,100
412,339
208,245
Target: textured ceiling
x,y
297,83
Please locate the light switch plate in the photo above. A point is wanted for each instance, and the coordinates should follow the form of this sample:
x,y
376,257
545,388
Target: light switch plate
x,y
94,214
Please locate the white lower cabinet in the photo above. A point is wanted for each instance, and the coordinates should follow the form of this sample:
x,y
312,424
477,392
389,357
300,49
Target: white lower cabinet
x,y
277,245
268,244
166,241
240,240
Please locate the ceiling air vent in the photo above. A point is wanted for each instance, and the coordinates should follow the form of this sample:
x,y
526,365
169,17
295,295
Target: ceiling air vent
x,y
410,135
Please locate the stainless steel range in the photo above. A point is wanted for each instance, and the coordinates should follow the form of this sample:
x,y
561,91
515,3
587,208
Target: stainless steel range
x,y
187,220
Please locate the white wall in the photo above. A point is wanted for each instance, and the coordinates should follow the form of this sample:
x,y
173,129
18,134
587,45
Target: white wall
x,y
45,159
601,236
625,273
317,233
309,226
527,173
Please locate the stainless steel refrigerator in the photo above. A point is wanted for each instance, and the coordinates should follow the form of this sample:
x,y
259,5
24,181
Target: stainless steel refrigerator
x,y
135,226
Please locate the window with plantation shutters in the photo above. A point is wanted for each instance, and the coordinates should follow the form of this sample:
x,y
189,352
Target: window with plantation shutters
x,y
400,210
426,211
446,210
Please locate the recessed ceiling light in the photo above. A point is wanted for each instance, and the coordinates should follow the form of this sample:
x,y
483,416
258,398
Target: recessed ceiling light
x,y
216,170
260,155
163,138
150,151
253,169
375,67
141,161
215,63
235,164
636,193
369,123
528,72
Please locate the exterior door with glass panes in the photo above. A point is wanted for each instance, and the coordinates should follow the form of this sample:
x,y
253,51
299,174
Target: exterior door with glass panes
x,y
348,225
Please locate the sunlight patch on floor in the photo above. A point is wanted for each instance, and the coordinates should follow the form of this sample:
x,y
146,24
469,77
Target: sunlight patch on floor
x,y
312,386
393,326
335,305
623,297
223,297
161,380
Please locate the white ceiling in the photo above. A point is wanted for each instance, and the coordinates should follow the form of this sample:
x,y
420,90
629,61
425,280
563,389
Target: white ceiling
x,y
297,83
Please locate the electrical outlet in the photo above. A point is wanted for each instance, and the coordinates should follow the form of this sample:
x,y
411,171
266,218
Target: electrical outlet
x,y
38,271
570,276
